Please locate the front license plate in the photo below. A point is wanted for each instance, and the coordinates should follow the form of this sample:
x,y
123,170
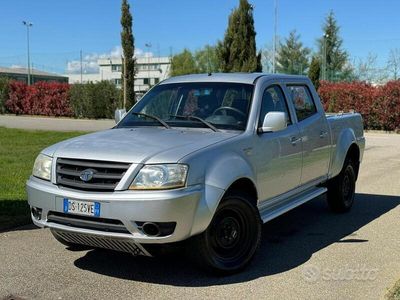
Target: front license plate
x,y
81,207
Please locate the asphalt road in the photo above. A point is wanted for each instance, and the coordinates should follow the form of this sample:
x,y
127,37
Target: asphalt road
x,y
308,253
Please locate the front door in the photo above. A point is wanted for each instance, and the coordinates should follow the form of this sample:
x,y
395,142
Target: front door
x,y
279,154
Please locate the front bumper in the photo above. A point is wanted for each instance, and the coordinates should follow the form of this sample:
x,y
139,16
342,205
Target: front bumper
x,y
191,208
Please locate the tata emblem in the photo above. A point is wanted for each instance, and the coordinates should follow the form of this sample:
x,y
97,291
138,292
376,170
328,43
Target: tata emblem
x,y
86,175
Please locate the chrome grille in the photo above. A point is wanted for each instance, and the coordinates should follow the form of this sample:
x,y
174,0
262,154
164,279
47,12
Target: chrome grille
x,y
106,175
122,245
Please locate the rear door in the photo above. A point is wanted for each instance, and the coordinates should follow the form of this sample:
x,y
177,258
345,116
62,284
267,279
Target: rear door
x,y
314,131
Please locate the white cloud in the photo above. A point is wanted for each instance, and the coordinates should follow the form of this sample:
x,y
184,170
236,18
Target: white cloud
x,y
17,67
89,61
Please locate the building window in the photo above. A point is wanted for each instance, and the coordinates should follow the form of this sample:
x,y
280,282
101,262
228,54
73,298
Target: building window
x,y
146,81
118,81
116,68
156,80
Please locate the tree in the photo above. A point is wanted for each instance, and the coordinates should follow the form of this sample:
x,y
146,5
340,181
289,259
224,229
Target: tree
x,y
183,63
207,60
292,56
368,71
334,59
314,71
393,63
129,61
237,52
267,57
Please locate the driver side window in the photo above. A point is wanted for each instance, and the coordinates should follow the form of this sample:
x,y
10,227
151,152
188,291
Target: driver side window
x,y
273,100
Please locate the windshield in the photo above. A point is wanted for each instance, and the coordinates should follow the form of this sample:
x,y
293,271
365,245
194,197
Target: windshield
x,y
223,105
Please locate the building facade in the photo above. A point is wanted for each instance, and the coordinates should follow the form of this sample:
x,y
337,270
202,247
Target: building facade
x,y
150,71
21,74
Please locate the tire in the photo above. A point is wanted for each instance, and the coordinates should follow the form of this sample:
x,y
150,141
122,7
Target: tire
x,y
232,238
341,189
70,246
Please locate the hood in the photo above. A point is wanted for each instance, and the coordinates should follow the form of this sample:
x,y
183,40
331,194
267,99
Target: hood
x,y
138,145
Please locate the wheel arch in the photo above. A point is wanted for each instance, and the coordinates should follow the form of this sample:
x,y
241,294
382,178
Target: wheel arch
x,y
346,144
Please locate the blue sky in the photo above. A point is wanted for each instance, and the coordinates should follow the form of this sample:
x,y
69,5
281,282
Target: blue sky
x,y
62,28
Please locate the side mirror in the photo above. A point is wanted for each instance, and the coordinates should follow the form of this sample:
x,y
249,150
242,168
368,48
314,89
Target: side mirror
x,y
274,121
119,114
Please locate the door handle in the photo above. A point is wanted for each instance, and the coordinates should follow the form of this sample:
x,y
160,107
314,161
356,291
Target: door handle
x,y
294,140
323,134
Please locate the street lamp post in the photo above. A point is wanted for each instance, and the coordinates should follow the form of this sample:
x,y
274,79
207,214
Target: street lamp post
x,y
28,24
275,36
325,64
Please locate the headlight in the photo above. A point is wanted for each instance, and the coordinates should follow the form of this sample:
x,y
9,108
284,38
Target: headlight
x,y
160,177
42,167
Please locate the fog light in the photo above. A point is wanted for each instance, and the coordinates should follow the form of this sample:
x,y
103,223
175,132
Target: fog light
x,y
37,213
156,228
151,229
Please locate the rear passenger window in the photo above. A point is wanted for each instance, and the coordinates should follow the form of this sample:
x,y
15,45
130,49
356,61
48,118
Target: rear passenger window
x,y
302,101
273,100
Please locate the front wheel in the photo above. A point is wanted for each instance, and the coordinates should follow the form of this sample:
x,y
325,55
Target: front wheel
x,y
341,189
232,238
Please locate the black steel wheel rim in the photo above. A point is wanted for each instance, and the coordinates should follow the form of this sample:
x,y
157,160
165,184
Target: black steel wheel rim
x,y
348,187
231,235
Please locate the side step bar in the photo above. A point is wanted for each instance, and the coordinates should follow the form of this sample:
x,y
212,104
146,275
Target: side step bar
x,y
269,212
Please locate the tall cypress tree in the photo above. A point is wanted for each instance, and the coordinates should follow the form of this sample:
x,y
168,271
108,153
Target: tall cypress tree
x,y
293,56
128,48
237,52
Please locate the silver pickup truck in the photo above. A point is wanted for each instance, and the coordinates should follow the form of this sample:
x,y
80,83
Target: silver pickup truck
x,y
205,159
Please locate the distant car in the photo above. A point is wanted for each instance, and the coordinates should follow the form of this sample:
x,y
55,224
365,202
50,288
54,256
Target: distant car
x,y
207,158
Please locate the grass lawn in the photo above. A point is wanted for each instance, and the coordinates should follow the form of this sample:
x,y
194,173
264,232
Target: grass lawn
x,y
18,150
394,293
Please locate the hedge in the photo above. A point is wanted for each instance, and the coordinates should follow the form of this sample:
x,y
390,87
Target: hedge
x,y
4,91
92,100
41,98
379,105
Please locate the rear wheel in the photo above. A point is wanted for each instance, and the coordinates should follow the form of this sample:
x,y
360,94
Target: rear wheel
x,y
341,189
232,237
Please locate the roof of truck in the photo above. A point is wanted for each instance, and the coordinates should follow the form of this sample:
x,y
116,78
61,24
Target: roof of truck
x,y
248,78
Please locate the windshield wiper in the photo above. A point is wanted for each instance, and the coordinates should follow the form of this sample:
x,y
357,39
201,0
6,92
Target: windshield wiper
x,y
191,117
152,117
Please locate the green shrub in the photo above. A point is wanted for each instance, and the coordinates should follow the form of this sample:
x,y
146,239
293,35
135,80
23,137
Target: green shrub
x,y
94,100
4,91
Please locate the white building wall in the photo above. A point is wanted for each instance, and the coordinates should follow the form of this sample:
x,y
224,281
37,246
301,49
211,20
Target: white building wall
x,y
150,71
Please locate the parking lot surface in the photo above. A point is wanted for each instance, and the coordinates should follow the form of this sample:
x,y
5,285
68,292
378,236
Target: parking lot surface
x,y
308,253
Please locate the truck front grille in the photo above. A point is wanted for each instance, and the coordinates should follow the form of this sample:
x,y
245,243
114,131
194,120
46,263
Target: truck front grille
x,y
105,175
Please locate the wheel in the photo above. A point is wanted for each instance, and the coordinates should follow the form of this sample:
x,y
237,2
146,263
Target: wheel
x,y
232,238
71,246
341,189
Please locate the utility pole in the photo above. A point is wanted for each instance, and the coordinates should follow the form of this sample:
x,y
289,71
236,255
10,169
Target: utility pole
x,y
28,24
80,53
148,46
124,78
275,35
